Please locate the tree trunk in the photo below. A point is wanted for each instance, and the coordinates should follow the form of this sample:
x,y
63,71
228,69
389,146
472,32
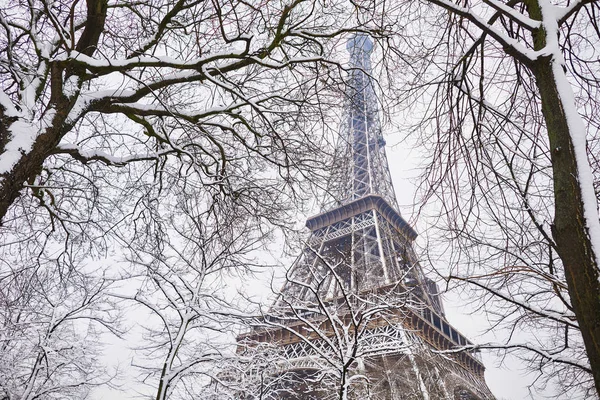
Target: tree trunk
x,y
30,163
569,229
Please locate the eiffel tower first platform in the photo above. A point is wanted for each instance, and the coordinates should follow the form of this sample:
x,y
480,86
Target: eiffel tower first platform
x,y
357,318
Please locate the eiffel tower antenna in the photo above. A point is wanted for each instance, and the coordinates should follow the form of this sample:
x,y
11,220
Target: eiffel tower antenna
x,y
360,251
361,166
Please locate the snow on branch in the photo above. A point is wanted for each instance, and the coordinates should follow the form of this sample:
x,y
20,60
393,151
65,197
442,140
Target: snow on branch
x,y
562,14
105,66
512,46
513,14
87,156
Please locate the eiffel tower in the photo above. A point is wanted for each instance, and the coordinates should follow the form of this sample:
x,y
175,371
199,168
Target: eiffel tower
x,y
359,265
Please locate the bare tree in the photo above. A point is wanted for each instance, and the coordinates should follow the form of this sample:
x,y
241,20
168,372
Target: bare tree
x,y
109,108
97,96
183,266
511,91
49,339
192,78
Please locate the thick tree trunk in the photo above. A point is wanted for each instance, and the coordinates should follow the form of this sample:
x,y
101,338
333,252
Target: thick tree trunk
x,y
30,163
28,166
569,229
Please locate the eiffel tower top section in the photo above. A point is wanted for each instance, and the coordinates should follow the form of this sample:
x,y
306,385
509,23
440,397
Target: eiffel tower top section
x,y
360,165
358,287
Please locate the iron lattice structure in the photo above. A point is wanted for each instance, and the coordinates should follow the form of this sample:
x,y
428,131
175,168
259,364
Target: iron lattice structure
x,y
358,288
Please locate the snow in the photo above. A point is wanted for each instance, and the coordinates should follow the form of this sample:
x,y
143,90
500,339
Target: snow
x,y
7,104
71,86
287,62
85,98
480,22
28,93
514,14
148,60
106,157
561,12
550,15
22,137
99,94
